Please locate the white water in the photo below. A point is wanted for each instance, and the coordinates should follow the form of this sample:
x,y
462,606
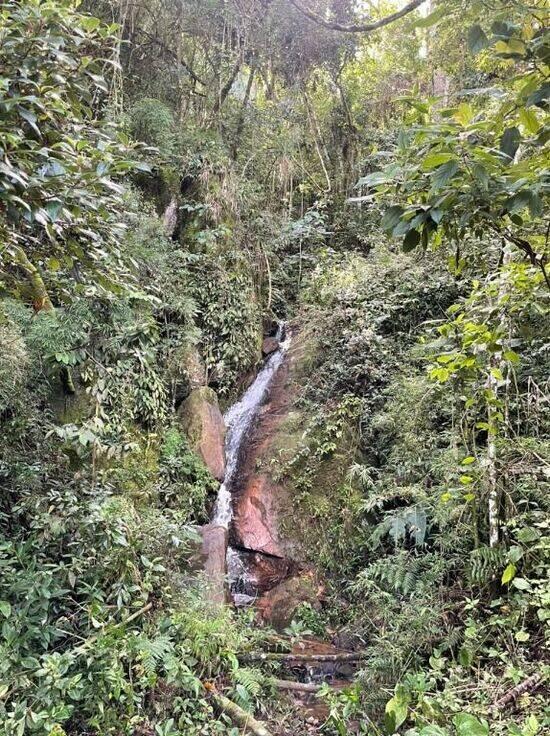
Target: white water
x,y
239,419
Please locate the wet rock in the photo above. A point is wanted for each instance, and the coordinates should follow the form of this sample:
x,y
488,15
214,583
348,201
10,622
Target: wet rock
x,y
256,573
202,421
269,345
278,606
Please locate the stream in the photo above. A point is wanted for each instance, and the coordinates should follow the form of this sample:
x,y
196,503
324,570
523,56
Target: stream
x,y
240,420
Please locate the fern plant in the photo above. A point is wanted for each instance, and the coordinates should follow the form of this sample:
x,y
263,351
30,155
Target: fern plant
x,y
248,685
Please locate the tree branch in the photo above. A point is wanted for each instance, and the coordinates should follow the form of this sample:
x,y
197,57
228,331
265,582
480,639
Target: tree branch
x,y
359,28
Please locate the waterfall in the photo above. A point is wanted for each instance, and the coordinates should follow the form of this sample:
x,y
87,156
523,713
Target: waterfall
x,y
239,420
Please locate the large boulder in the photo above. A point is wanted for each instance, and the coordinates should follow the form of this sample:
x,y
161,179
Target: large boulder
x,y
202,422
278,605
255,524
269,345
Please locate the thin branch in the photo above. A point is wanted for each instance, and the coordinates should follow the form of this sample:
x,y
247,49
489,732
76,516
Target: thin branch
x,y
356,28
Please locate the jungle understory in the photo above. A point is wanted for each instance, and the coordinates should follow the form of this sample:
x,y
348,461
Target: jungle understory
x,y
274,368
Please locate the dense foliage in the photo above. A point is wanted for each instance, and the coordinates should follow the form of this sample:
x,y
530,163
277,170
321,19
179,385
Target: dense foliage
x,y
174,179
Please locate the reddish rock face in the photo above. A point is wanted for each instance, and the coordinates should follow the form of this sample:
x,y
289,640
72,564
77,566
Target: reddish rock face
x,y
255,520
203,424
269,345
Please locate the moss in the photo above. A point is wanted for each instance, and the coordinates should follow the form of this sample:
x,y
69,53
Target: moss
x,y
136,473
191,412
72,409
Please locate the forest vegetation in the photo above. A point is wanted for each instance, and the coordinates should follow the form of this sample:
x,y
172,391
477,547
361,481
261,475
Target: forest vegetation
x,y
176,178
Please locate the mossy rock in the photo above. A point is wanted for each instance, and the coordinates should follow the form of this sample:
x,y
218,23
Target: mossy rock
x,y
202,422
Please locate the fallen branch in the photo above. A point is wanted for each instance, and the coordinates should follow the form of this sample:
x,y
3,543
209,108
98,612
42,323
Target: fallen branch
x,y
303,658
303,687
528,685
239,716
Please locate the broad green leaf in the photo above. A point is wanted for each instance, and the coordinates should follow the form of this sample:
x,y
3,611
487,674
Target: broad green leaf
x,y
53,208
432,18
529,120
519,201
464,113
374,179
540,97
411,240
477,39
444,174
515,554
391,217
5,609
433,160
398,707
465,656
521,584
468,725
509,143
508,574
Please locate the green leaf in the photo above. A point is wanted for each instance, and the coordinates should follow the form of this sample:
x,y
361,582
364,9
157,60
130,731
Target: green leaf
x,y
464,113
5,609
521,584
30,117
433,160
391,217
433,730
432,18
515,554
53,208
541,96
444,174
411,240
477,40
518,202
374,179
529,120
465,656
509,143
53,264
480,173
141,166
509,574
468,725
511,356
397,708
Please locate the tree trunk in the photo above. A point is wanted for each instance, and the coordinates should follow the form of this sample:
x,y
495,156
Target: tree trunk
x,y
242,113
239,716
40,298
303,658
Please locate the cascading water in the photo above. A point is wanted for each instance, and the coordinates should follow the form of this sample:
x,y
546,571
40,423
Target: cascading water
x,y
239,420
